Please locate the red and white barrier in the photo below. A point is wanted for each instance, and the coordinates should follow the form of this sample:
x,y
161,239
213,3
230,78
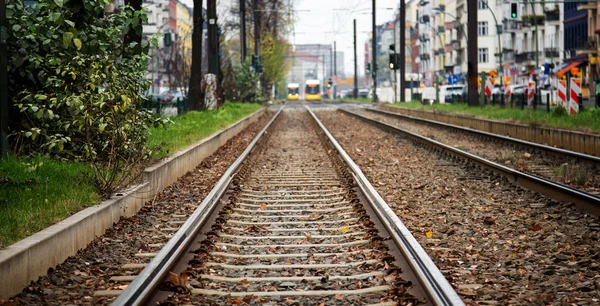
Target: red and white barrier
x,y
562,93
574,92
489,87
530,94
507,91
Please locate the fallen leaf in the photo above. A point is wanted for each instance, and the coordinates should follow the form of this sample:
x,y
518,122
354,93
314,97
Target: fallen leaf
x,y
428,234
263,206
308,236
243,282
489,220
235,302
178,280
339,296
345,229
229,211
535,227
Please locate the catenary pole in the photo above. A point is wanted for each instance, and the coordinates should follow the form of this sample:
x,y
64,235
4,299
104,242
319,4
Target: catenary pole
x,y
402,63
355,93
472,52
374,60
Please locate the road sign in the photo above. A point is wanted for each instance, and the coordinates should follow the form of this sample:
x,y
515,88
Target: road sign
x,y
452,79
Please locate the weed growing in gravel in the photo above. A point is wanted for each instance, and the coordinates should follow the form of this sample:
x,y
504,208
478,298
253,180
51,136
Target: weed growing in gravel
x,y
572,174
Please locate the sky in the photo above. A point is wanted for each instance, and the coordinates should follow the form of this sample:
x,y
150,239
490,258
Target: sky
x,y
323,21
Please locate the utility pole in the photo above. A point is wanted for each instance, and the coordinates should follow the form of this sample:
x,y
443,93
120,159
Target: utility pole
x,y
195,91
374,46
334,68
256,27
402,63
395,87
213,43
355,92
243,30
472,52
3,82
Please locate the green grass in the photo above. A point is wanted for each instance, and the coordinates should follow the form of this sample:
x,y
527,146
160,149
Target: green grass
x,y
38,192
194,126
588,120
358,100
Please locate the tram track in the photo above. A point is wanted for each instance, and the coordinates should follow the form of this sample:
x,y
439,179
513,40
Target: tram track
x,y
585,198
293,219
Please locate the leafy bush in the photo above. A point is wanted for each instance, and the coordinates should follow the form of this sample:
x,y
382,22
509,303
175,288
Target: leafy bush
x,y
78,85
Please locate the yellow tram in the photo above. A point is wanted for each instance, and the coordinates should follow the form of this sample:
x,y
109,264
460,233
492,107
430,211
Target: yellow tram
x,y
293,91
312,92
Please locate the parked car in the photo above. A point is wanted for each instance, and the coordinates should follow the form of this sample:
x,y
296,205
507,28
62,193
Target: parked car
x,y
344,94
363,93
451,92
171,96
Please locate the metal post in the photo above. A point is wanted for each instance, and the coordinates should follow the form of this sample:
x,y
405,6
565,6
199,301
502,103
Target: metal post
x,y
334,68
548,102
3,81
256,27
394,71
355,95
243,30
402,63
374,46
213,40
472,51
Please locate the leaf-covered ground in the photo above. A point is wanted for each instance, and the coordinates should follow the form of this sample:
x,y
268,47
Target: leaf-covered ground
x,y
495,242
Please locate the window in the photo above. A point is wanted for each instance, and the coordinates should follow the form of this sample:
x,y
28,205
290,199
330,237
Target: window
x,y
482,28
482,55
482,4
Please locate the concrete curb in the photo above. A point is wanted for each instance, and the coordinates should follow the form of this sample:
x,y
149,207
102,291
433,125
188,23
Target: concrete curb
x,y
30,258
566,139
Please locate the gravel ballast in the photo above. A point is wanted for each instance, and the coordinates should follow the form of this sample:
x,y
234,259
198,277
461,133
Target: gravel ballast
x,y
495,242
79,277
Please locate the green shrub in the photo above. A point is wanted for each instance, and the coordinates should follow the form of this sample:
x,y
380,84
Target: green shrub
x,y
78,85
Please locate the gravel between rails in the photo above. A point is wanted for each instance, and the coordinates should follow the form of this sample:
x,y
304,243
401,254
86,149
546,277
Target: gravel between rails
x,y
583,175
497,243
75,281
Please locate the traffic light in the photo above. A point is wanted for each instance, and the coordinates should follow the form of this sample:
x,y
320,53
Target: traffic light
x,y
368,68
513,10
329,82
393,63
167,39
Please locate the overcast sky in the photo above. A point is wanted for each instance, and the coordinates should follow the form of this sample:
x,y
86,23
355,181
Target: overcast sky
x,y
323,21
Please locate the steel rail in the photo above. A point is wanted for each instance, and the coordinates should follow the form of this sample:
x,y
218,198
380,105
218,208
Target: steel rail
x,y
539,146
433,281
142,287
549,188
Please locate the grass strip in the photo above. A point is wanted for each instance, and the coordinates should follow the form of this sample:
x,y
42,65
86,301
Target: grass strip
x,y
194,126
38,192
587,121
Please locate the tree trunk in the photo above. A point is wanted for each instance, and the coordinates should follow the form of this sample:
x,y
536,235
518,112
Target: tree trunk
x,y
195,93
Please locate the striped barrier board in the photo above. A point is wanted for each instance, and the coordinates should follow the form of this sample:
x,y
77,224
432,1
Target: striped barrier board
x,y
530,94
489,87
507,91
562,93
574,92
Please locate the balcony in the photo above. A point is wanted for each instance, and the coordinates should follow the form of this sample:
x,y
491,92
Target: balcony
x,y
449,48
552,15
510,25
525,57
424,38
551,52
591,44
533,19
424,57
508,56
456,44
